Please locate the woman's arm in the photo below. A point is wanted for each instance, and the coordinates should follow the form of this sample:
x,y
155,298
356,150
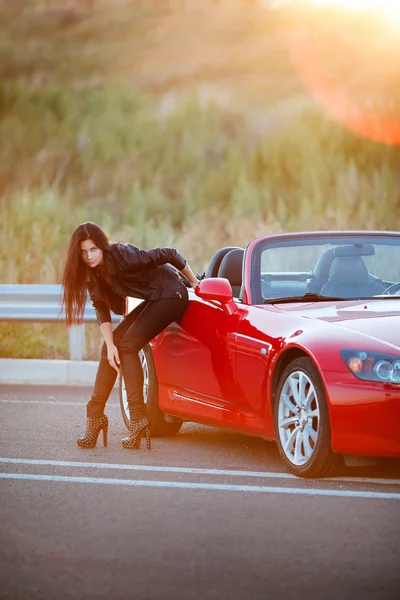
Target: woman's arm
x,y
187,272
112,350
102,311
106,330
134,259
127,256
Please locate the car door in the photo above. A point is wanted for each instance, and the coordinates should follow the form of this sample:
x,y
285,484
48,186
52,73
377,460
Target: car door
x,y
196,364
256,343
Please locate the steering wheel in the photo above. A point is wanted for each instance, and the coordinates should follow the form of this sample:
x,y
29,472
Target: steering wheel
x,y
393,289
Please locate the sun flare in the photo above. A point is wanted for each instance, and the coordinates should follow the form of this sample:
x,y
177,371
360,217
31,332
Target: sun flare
x,y
388,8
347,60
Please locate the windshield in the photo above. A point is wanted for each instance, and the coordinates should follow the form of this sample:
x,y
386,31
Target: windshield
x,y
334,266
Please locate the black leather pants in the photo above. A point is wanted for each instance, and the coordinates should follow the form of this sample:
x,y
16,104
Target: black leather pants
x,y
135,331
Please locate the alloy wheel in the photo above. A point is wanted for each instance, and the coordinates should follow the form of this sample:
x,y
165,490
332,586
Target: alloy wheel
x,y
298,418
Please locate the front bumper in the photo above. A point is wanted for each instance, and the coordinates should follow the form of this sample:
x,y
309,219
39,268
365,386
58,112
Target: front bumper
x,y
365,416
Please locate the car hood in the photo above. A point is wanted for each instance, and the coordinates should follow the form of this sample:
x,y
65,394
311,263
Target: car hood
x,y
376,319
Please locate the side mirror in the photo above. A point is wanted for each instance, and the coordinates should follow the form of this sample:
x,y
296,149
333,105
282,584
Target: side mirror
x,y
218,289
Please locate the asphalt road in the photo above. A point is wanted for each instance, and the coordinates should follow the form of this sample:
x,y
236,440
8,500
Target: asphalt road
x,y
209,514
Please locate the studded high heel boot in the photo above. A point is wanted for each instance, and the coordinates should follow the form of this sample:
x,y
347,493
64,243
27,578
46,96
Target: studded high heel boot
x,y
137,429
93,427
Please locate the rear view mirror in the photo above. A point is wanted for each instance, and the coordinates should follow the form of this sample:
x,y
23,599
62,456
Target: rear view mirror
x,y
354,250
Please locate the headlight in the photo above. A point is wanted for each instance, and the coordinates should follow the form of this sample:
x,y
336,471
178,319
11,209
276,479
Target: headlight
x,y
372,366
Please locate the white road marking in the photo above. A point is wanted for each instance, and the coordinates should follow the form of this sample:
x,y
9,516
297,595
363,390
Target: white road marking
x,y
50,402
203,486
159,469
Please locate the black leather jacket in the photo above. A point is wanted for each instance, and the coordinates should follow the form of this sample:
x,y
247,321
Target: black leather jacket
x,y
137,273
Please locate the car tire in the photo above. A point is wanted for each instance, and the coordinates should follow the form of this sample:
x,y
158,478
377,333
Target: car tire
x,y
158,425
302,425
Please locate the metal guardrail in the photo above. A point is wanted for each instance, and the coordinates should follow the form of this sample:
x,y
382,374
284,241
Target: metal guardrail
x,y
42,302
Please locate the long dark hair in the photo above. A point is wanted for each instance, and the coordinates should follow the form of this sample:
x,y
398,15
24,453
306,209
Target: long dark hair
x,y
75,271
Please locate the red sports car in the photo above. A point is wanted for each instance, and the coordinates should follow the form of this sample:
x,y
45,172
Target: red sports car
x,y
295,338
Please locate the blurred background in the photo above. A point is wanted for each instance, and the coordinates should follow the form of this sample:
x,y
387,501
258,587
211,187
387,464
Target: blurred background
x,y
190,123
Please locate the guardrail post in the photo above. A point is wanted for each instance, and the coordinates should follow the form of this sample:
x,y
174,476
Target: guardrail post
x,y
77,345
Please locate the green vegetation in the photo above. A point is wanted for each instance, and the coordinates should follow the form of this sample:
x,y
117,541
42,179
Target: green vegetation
x,y
103,118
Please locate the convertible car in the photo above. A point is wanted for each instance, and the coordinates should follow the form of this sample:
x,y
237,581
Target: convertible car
x,y
295,338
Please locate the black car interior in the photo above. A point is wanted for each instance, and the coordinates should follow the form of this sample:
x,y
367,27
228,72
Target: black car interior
x,y
339,272
348,277
228,262
231,269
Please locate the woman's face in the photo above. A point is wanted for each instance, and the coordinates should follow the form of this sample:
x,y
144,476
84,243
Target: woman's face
x,y
91,254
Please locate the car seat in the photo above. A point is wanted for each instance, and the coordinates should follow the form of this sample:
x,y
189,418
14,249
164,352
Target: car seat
x,y
215,262
348,278
231,269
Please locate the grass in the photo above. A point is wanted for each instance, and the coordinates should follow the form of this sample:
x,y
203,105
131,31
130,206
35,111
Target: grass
x,y
117,113
43,340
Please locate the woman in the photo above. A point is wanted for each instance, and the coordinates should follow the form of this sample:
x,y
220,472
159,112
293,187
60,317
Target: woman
x,y
110,272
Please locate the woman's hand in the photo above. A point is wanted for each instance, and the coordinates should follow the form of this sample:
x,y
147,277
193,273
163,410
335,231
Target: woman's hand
x,y
113,357
188,273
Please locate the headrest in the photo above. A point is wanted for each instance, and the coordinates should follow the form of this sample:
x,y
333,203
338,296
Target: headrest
x,y
215,262
349,270
231,266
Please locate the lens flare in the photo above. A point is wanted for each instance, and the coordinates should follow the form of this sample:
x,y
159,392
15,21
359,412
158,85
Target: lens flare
x,y
391,8
347,56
